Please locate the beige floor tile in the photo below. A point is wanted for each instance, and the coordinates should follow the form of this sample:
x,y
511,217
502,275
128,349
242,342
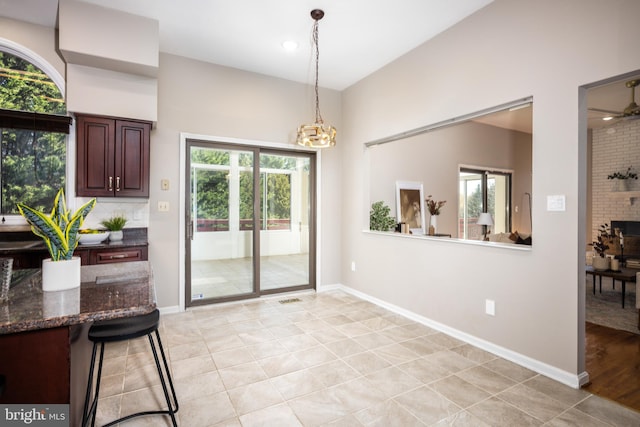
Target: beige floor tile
x,y
427,405
373,340
345,347
144,377
486,379
280,365
533,402
575,418
146,399
334,373
239,375
499,413
318,408
473,353
111,385
387,414
450,361
556,390
279,415
367,362
113,365
422,345
396,354
332,359
510,370
393,381
203,384
254,396
206,411
265,349
608,411
237,356
108,409
358,394
193,366
424,370
188,351
297,384
459,391
462,419
314,356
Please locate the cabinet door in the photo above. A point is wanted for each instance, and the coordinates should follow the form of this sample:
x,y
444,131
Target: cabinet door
x,y
132,159
95,164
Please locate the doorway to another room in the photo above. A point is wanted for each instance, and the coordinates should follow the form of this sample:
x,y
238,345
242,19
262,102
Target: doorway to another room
x,y
250,219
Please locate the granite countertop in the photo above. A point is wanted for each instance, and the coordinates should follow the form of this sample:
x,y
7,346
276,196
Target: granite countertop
x,y
107,291
132,237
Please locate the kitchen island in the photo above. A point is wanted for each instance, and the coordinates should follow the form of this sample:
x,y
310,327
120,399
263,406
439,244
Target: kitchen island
x,y
44,350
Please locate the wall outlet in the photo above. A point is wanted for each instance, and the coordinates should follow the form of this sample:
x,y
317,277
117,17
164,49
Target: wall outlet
x,y
490,307
163,206
353,266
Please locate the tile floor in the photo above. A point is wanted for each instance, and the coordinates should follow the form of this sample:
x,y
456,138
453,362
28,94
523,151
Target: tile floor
x,y
332,359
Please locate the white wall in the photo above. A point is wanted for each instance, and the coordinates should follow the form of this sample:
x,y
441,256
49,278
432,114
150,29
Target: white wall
x,y
509,50
205,99
615,148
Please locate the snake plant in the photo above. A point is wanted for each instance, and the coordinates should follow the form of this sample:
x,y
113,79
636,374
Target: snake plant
x,y
59,230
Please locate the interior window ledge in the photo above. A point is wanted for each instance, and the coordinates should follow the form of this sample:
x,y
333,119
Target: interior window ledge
x,y
452,240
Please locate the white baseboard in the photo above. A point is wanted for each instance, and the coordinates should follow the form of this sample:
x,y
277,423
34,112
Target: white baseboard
x,y
170,310
564,377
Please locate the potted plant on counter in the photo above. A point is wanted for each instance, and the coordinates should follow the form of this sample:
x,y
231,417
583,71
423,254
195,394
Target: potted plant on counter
x,y
600,261
59,230
379,218
115,224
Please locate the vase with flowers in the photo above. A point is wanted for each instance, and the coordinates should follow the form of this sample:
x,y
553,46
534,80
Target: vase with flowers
x,y
621,179
434,209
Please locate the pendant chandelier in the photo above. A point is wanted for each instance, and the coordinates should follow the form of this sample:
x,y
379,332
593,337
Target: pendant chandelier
x,y
316,135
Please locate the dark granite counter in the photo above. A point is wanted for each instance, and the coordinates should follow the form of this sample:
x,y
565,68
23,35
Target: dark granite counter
x,y
107,291
12,242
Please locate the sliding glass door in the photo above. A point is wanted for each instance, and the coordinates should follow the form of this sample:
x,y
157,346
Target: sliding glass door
x,y
250,222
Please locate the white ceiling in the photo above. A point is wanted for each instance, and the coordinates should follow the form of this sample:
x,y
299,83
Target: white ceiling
x,y
357,37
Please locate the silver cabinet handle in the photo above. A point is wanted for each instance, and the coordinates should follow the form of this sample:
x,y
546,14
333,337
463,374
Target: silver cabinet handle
x,y
117,183
110,183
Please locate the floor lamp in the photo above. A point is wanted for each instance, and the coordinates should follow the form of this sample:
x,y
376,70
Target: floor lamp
x,y
485,221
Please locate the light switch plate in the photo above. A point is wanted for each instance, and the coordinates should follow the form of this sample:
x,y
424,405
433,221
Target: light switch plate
x,y
163,206
556,203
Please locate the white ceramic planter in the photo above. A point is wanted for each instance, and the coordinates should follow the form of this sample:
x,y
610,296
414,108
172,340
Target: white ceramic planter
x,y
115,236
600,263
60,275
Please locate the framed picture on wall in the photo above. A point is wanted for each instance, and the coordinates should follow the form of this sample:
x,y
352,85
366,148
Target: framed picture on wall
x,y
410,205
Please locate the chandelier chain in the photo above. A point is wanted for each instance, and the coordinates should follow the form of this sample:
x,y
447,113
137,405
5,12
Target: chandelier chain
x,y
316,47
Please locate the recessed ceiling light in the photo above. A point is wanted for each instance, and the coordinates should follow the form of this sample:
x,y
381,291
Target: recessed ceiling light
x,y
289,45
606,119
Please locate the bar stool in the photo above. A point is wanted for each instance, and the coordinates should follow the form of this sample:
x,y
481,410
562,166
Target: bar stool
x,y
121,330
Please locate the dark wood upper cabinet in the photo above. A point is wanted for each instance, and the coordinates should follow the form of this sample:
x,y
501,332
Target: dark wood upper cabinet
x,y
112,157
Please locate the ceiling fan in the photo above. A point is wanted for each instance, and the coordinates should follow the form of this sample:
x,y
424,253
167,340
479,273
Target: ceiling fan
x,y
631,112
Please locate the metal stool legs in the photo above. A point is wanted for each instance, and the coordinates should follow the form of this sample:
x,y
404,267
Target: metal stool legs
x,y
89,414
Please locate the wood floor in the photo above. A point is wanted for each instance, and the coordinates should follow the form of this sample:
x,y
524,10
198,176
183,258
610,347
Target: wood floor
x,y
613,364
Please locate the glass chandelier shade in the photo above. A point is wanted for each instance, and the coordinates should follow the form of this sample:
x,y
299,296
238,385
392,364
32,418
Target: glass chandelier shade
x,y
317,134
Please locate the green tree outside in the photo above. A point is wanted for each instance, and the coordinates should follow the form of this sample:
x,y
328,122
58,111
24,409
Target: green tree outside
x,y
32,166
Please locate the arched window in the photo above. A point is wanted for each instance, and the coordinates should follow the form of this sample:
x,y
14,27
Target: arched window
x,y
33,135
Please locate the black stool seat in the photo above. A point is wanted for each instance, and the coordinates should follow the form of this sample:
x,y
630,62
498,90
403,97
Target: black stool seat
x,y
121,330
125,328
